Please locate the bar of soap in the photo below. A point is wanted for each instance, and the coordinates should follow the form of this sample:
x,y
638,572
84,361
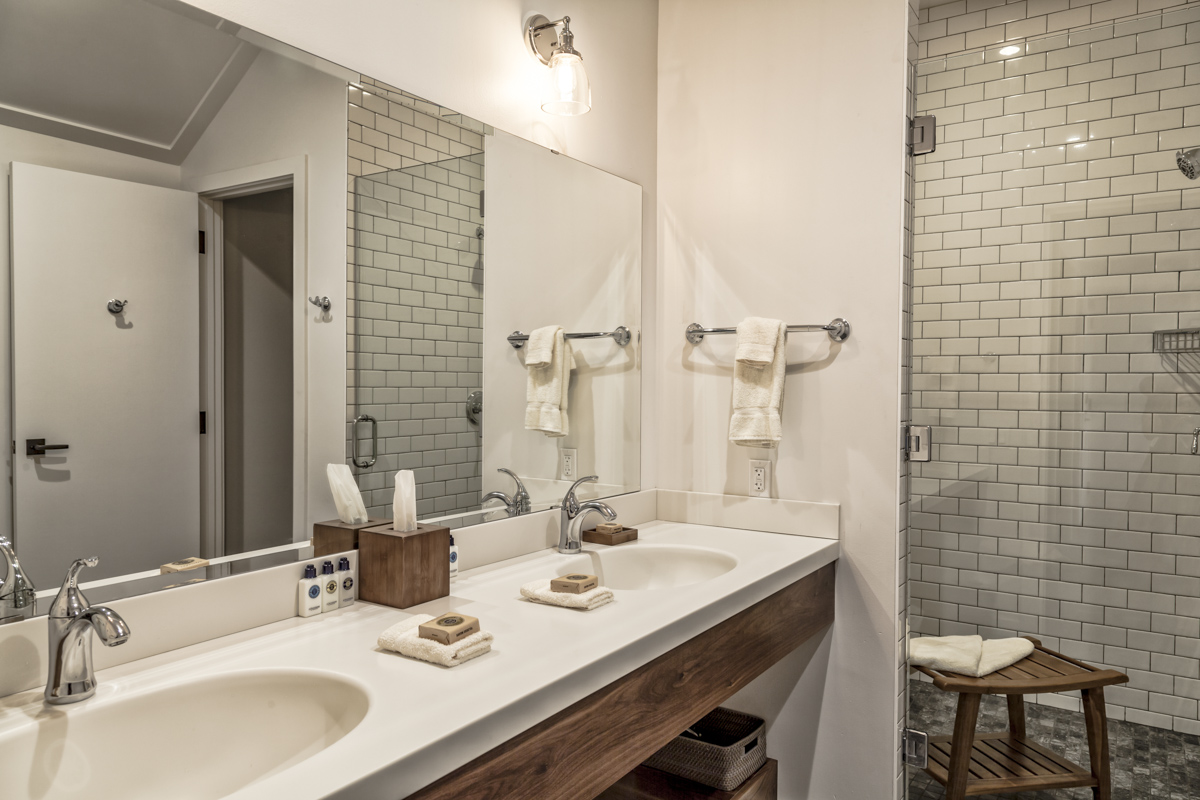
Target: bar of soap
x,y
574,584
448,628
609,527
183,566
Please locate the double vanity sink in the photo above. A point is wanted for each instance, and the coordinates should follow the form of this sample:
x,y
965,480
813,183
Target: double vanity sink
x,y
309,708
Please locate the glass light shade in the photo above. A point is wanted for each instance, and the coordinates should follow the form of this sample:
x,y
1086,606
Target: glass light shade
x,y
569,93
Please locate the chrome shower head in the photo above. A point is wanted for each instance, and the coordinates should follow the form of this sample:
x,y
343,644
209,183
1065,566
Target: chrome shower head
x,y
1188,162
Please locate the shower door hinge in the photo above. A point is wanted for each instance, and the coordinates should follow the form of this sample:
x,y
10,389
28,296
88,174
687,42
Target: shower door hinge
x,y
915,745
917,442
481,214
922,135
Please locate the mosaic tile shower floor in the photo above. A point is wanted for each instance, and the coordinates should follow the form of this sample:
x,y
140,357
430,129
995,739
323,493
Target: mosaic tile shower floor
x,y
1146,762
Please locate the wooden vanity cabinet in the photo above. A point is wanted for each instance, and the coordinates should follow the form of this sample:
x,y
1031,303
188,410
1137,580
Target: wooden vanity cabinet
x,y
581,751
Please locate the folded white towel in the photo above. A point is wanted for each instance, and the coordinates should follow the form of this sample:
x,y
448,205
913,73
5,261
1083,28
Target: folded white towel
x,y
758,385
539,592
540,347
404,639
548,383
967,655
756,337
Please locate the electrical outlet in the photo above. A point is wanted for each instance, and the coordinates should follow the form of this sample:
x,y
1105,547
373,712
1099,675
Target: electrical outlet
x,y
567,460
760,478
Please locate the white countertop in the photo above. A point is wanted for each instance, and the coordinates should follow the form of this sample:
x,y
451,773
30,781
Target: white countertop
x,y
425,721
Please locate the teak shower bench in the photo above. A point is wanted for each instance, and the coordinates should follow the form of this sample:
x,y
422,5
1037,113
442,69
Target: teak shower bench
x,y
967,763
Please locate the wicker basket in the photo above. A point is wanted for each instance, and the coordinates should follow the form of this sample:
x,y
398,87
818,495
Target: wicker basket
x,y
731,746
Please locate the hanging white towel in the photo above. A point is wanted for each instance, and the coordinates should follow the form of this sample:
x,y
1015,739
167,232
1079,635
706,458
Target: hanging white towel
x,y
548,382
758,377
967,655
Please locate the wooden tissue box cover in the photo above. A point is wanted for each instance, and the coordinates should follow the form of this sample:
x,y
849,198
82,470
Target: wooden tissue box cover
x,y
336,536
595,537
403,569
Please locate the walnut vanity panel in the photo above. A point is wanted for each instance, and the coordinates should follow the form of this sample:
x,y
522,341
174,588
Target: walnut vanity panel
x,y
578,753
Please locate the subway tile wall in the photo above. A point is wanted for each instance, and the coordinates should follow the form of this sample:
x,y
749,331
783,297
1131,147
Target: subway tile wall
x,y
1053,236
415,273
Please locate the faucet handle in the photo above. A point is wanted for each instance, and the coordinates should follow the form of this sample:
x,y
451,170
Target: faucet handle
x,y
70,602
570,501
520,499
515,477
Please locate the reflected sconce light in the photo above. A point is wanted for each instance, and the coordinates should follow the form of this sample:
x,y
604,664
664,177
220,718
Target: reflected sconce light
x,y
568,93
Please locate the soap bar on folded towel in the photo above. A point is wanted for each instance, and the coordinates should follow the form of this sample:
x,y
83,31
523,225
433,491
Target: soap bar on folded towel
x,y
539,592
404,639
967,655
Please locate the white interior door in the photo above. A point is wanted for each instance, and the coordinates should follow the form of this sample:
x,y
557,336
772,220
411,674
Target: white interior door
x,y
120,390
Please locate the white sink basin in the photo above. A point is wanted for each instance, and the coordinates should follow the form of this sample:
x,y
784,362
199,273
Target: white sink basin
x,y
651,566
200,740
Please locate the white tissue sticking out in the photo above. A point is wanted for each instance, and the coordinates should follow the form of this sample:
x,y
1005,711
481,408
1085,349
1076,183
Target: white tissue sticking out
x,y
404,505
346,497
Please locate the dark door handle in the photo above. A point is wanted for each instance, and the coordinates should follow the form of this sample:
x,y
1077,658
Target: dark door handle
x,y
38,447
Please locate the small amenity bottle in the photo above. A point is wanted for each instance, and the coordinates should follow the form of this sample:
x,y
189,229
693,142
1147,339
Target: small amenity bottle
x,y
310,592
345,582
453,558
331,594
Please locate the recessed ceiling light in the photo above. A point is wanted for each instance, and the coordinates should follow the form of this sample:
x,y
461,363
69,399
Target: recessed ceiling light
x,y
1011,50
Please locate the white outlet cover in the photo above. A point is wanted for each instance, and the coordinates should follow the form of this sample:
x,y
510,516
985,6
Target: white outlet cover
x,y
568,463
760,478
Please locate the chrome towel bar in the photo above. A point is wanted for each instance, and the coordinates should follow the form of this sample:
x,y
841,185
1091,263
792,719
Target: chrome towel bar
x,y
621,336
838,330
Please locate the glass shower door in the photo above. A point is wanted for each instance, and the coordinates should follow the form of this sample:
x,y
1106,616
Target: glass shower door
x,y
1055,239
415,345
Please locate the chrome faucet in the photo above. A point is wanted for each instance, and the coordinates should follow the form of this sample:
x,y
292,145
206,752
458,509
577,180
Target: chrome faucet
x,y
572,514
516,505
70,622
17,592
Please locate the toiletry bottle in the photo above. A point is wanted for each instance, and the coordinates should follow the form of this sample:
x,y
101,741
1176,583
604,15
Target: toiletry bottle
x,y
453,558
345,583
310,592
329,582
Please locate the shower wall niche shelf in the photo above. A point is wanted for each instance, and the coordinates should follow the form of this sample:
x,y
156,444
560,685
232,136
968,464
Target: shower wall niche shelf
x,y
1184,340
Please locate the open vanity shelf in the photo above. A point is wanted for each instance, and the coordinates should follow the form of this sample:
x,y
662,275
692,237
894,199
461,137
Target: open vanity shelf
x,y
588,747
645,783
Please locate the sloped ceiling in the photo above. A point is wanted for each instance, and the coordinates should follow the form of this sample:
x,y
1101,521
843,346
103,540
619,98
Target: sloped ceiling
x,y
126,75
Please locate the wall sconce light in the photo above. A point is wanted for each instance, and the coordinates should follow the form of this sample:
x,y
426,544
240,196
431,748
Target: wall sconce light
x,y
568,92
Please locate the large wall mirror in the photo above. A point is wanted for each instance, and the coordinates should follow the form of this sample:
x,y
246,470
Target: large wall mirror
x,y
175,182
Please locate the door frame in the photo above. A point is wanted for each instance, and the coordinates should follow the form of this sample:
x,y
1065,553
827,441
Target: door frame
x,y
213,189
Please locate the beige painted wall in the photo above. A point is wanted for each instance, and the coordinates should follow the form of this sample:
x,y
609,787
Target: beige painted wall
x,y
780,195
